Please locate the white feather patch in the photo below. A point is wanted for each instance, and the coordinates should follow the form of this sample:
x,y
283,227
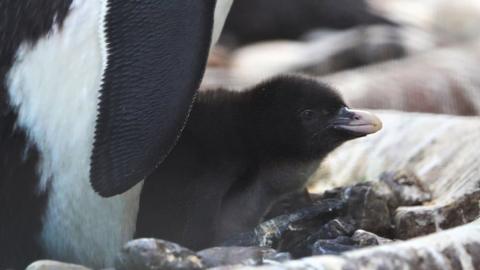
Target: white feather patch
x,y
55,86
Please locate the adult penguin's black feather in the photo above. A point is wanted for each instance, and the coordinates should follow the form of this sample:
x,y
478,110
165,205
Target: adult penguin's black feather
x,y
154,67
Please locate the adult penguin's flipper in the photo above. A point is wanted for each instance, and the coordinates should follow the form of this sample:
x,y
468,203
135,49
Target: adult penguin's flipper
x,y
157,51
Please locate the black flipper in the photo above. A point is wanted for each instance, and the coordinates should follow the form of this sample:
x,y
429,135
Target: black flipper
x,y
157,56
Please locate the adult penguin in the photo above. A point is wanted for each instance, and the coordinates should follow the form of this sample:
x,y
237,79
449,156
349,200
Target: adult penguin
x,y
258,20
93,95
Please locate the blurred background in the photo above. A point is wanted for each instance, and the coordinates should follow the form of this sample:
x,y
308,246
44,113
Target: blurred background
x,y
408,55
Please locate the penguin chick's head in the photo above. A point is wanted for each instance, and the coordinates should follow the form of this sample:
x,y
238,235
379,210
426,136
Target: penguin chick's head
x,y
301,117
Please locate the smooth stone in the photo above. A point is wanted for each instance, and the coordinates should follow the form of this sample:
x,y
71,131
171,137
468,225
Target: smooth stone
x,y
54,265
219,256
153,254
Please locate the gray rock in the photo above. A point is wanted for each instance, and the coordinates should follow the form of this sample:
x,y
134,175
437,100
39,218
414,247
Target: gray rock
x,y
327,225
277,257
153,254
219,256
405,187
368,208
412,222
333,246
452,249
271,232
364,239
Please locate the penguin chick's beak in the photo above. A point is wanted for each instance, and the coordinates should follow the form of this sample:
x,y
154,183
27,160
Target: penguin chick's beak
x,y
359,123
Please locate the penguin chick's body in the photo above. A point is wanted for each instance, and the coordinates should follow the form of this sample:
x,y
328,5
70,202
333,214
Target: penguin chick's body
x,y
239,153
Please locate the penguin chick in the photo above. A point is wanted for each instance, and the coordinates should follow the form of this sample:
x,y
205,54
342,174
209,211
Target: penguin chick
x,y
239,153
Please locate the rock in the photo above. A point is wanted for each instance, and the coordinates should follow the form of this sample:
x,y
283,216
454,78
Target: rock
x,y
364,239
333,246
54,265
368,209
270,233
412,222
301,242
152,254
367,206
337,227
219,256
452,249
352,217
364,208
331,217
278,257
289,204
405,189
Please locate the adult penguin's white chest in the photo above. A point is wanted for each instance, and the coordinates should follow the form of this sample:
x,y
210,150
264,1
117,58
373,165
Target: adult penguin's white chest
x,y
55,87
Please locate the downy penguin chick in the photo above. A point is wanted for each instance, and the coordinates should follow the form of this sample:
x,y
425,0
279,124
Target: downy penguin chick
x,y
242,151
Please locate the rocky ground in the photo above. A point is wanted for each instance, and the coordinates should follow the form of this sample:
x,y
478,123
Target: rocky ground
x,y
423,182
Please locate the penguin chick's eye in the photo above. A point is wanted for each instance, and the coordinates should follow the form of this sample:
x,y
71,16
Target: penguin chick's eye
x,y
307,115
